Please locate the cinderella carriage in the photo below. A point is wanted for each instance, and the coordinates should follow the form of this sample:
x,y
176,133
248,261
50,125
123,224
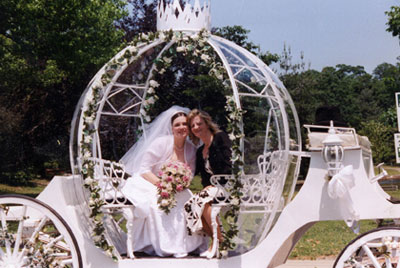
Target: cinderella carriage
x,y
84,219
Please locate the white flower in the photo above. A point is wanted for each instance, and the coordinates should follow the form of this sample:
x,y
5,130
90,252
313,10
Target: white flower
x,y
165,202
150,90
195,37
133,49
224,253
97,238
87,139
205,57
89,98
143,112
232,136
89,119
162,71
154,83
253,79
147,118
88,181
92,202
87,154
180,49
85,108
235,201
96,84
162,36
144,36
109,253
167,60
220,77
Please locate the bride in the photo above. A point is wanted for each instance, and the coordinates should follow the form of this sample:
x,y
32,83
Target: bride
x,y
155,232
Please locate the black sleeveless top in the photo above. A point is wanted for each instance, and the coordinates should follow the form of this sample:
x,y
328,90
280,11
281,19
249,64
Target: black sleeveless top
x,y
219,156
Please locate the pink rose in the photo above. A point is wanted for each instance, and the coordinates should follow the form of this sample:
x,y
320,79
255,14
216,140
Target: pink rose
x,y
179,187
164,194
185,178
170,179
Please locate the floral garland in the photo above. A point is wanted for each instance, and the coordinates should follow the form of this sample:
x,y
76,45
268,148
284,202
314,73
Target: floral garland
x,y
194,48
235,191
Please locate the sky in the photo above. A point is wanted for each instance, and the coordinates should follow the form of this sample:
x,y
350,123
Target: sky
x,y
328,32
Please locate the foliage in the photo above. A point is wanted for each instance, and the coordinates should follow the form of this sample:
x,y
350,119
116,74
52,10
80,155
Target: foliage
x,y
141,18
381,136
48,52
393,20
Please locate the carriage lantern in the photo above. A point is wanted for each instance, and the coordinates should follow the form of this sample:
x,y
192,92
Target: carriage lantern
x,y
333,152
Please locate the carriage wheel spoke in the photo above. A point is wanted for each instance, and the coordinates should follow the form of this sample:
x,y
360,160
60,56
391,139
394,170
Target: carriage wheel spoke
x,y
53,242
33,237
371,256
19,232
2,255
388,262
4,230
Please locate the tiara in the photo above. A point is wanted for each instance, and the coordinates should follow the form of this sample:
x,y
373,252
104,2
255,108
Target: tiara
x,y
171,16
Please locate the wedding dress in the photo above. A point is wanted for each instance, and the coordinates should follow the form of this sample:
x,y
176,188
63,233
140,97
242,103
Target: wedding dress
x,y
155,232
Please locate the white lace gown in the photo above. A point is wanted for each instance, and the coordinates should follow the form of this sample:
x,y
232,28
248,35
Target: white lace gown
x,y
155,232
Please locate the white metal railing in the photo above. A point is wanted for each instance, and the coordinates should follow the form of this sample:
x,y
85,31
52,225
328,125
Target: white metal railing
x,y
111,177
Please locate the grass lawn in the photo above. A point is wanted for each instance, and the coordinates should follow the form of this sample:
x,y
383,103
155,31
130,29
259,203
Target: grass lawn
x,y
33,190
324,239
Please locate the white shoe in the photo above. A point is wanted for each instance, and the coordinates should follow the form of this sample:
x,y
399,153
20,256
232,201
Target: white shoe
x,y
180,255
205,254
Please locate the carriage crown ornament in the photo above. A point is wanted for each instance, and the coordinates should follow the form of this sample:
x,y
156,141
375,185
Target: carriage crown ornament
x,y
172,16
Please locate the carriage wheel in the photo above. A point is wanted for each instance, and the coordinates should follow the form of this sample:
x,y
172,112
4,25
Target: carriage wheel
x,y
378,248
32,234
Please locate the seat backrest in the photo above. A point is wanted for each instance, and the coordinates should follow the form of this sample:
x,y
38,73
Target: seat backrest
x,y
111,177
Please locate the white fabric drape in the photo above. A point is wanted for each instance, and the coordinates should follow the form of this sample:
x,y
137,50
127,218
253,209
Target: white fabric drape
x,y
339,188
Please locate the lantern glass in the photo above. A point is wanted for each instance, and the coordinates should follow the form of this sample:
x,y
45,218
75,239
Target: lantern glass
x,y
333,156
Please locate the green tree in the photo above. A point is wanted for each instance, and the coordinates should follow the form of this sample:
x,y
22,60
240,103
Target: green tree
x,y
141,19
49,50
388,78
393,20
382,140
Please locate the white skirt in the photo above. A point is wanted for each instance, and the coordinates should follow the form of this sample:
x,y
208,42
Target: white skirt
x,y
156,232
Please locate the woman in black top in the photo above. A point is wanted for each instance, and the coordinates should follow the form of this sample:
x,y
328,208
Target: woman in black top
x,y
212,158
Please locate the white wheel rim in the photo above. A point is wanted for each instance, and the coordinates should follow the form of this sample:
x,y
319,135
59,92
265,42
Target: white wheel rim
x,y
378,249
32,235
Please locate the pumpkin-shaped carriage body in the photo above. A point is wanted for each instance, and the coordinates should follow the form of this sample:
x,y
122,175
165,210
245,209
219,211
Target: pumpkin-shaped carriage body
x,y
262,123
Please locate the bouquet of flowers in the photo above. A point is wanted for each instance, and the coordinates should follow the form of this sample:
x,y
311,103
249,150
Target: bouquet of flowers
x,y
175,176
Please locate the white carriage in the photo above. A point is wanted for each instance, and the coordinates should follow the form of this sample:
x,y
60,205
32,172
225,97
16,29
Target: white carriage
x,y
56,229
